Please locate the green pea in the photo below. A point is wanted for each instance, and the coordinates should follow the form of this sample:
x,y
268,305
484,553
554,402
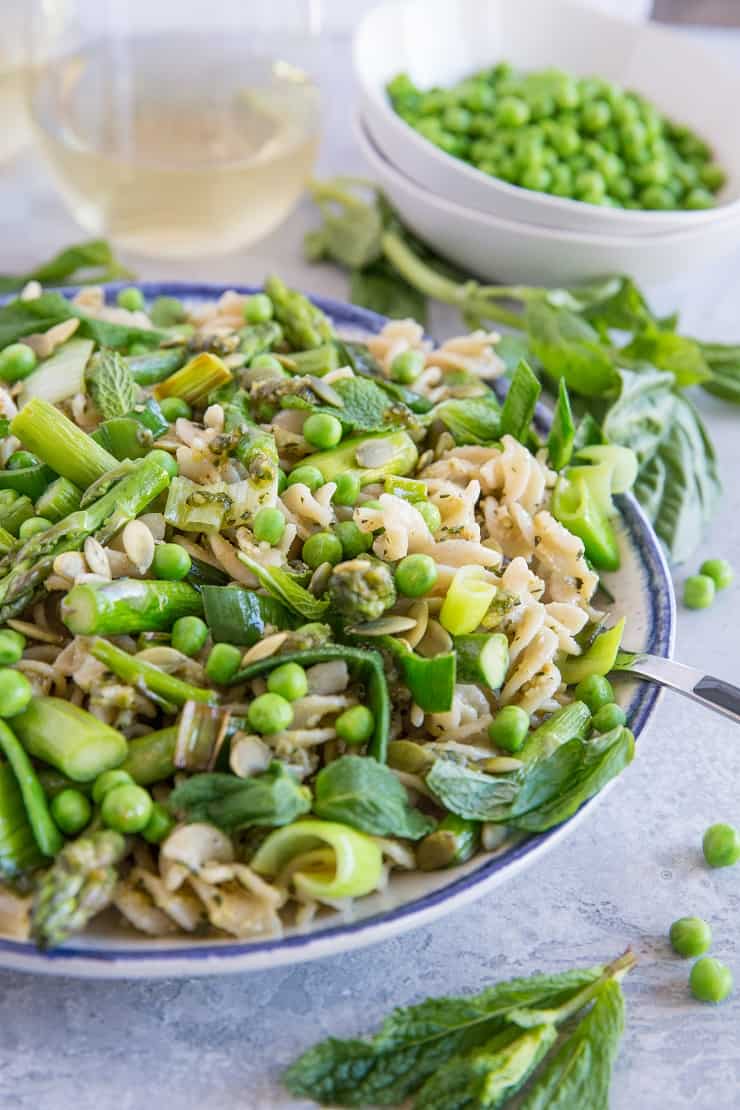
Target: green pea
x,y
698,198
353,540
258,309
33,526
15,692
431,514
657,197
698,591
590,183
608,717
690,936
71,810
407,366
355,725
268,525
309,476
131,299
710,980
17,361
12,644
595,691
541,106
322,430
108,781
289,681
622,188
167,311
266,362
189,634
720,571
625,111
566,141
509,728
126,809
174,408
456,119
171,562
721,845
322,547
270,713
537,178
167,462
566,92
19,460
654,172
480,98
595,116
223,663
160,824
415,575
561,184
512,111
712,176
348,489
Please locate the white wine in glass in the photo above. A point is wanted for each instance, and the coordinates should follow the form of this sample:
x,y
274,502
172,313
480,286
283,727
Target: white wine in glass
x,y
14,127
177,144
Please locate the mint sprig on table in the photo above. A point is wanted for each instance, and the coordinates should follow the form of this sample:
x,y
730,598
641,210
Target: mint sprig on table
x,y
627,368
80,264
551,1038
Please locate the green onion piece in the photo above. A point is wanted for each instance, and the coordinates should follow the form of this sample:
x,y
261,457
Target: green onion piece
x,y
238,616
598,659
28,481
58,500
562,430
15,512
155,366
151,758
467,601
197,378
200,736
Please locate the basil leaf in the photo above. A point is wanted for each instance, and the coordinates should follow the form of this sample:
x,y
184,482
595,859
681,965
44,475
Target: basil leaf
x,y
21,318
668,351
520,403
262,801
677,485
489,1075
359,791
414,1042
568,347
579,1074
111,384
80,264
470,419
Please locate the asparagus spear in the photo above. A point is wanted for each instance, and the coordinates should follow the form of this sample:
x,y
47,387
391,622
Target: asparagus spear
x,y
303,323
47,835
146,677
30,565
79,885
127,605
53,438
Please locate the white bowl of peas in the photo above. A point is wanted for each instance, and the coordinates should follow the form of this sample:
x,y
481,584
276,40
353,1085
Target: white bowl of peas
x,y
546,112
509,251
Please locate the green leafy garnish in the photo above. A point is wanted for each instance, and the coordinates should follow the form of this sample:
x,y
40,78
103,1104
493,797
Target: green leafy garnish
x,y
81,264
269,800
20,318
434,1049
365,406
359,791
470,420
111,384
520,403
283,586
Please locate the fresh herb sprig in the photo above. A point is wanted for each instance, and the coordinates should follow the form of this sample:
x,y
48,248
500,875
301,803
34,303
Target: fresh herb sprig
x,y
626,367
479,1051
80,264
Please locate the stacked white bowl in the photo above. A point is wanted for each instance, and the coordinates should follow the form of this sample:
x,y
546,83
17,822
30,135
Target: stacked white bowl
x,y
501,232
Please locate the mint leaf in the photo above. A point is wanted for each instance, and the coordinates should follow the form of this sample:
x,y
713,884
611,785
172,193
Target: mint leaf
x,y
414,1042
19,318
472,794
111,384
579,1073
365,407
359,791
379,288
80,264
262,801
283,586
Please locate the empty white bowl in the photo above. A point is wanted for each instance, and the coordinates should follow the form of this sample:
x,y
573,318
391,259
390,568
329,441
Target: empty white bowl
x,y
500,250
437,42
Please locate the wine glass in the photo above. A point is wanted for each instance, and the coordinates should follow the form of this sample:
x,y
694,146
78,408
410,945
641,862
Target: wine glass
x,y
177,128
14,129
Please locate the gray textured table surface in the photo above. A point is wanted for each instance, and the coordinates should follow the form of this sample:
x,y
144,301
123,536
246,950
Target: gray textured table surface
x,y
621,878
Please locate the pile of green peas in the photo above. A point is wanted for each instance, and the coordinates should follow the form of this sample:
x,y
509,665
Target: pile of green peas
x,y
582,138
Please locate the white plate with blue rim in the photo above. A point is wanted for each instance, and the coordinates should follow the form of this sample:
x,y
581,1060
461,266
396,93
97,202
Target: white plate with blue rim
x,y
643,593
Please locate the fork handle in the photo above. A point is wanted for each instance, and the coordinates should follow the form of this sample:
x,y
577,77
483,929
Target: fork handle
x,y
714,693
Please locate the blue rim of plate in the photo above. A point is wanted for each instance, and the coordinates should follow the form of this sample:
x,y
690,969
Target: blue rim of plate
x,y
658,588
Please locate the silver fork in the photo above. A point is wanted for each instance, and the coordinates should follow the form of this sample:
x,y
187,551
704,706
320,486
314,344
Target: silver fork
x,y
712,692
